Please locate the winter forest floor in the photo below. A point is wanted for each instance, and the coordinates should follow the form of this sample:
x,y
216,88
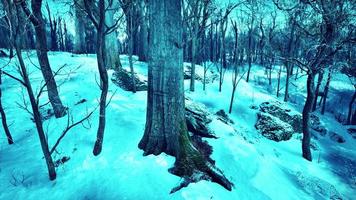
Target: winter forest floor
x,y
258,167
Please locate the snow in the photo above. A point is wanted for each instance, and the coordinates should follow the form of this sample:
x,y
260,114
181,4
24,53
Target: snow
x,y
258,167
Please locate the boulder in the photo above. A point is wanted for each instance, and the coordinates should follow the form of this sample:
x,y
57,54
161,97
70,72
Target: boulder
x,y
279,110
222,116
273,128
336,137
122,78
198,117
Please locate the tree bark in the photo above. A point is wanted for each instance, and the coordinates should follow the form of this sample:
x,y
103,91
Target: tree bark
x,y
279,80
112,55
37,117
79,39
306,117
41,49
326,91
166,129
100,54
3,116
320,79
286,91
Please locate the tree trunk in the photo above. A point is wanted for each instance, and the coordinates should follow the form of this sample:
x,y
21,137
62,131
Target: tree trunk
x,y
100,54
349,115
165,119
286,92
41,49
3,115
37,117
131,66
143,32
112,55
79,39
232,96
279,80
320,79
326,91
306,116
192,74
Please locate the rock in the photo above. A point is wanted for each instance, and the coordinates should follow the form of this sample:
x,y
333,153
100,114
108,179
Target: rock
x,y
352,132
273,128
198,117
122,78
222,116
277,109
336,137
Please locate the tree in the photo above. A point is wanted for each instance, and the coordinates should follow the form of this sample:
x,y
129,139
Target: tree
x,y
350,70
235,80
325,32
41,48
53,29
16,22
96,12
166,129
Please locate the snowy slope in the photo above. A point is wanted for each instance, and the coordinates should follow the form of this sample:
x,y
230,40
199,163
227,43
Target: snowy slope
x,y
259,168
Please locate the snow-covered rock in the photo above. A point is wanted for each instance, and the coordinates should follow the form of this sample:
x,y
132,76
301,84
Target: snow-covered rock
x,y
198,117
273,128
279,110
222,116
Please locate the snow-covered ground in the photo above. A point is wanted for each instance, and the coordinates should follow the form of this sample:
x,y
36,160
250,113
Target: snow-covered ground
x,y
258,167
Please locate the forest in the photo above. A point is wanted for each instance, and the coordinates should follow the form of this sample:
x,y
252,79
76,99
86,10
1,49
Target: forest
x,y
178,99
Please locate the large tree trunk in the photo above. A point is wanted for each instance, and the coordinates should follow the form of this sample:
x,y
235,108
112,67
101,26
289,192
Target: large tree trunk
x,y
79,39
112,55
3,115
306,117
104,83
165,119
41,49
